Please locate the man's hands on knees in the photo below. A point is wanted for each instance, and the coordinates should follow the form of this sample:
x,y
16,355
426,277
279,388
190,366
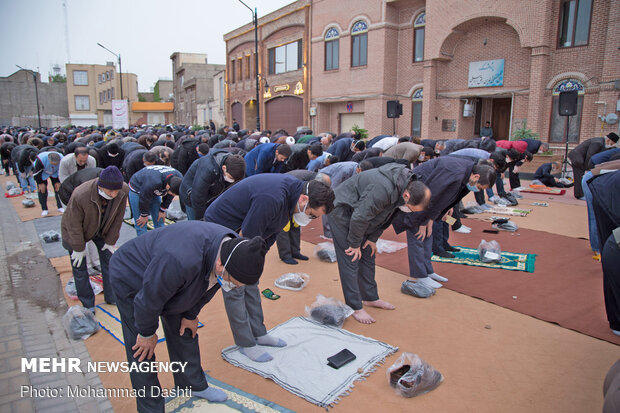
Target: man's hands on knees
x,y
372,245
42,187
191,324
161,216
145,347
425,231
355,253
142,220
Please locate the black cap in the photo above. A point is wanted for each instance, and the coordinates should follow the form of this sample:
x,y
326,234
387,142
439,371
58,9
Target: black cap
x,y
612,136
247,260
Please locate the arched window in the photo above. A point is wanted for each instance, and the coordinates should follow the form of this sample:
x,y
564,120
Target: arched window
x,y
418,37
416,112
359,44
559,124
332,49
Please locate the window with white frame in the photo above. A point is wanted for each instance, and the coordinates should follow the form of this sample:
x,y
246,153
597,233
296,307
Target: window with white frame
x,y
359,44
574,23
82,102
418,37
285,58
80,78
332,49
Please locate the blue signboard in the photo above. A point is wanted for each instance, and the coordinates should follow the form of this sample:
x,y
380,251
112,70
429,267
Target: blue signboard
x,y
486,73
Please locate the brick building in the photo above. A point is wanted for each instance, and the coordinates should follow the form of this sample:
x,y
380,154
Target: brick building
x,y
452,64
284,69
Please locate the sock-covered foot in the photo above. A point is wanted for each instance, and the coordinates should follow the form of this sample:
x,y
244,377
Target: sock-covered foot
x,y
289,261
256,354
616,332
429,282
300,257
437,277
272,341
211,393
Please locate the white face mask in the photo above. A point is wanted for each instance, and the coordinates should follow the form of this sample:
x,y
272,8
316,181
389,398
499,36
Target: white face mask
x,y
301,217
227,285
405,209
229,180
104,195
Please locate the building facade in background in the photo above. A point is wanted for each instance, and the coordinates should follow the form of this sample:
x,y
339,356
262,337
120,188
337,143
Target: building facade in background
x,y
192,85
162,91
18,106
283,65
91,89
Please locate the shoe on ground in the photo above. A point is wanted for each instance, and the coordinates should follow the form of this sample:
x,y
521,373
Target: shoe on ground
x,y
521,188
516,194
61,210
494,199
289,261
92,310
428,282
486,207
596,256
44,213
437,277
463,230
450,248
444,254
300,257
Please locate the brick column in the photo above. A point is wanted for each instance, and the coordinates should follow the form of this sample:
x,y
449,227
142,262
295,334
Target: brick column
x,y
537,113
429,125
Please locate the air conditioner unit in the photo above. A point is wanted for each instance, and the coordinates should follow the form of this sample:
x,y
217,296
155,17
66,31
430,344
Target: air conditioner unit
x,y
468,110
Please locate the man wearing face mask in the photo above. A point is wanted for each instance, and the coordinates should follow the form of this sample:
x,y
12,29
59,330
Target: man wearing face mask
x,y
261,205
364,207
207,178
171,273
449,179
94,213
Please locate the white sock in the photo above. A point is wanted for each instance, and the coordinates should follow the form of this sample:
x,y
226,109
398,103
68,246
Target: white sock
x,y
429,282
256,353
616,332
211,393
268,340
437,277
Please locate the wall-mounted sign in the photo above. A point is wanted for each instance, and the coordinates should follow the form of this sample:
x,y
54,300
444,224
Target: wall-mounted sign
x,y
120,114
299,89
349,107
281,88
486,73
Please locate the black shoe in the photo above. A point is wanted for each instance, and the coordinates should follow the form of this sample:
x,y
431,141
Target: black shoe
x,y
289,261
110,302
452,249
300,257
444,254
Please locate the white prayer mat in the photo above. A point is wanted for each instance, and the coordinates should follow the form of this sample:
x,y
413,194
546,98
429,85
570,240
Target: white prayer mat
x,y
301,367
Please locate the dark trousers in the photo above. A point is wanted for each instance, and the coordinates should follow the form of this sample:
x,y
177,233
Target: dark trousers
x,y
180,349
43,195
578,176
419,253
441,233
550,181
356,277
82,280
513,177
288,242
479,197
327,230
610,258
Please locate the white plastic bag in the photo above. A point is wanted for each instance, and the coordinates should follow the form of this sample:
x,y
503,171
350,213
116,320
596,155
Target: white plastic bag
x,y
80,323
175,213
490,251
72,292
388,247
325,251
411,376
293,281
329,311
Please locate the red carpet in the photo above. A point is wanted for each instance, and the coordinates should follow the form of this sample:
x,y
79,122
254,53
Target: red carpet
x,y
566,288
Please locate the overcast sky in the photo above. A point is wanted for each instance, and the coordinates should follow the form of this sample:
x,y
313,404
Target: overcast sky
x,y
34,33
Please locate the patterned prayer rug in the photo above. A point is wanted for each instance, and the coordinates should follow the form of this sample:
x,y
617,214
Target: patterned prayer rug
x,y
149,225
510,260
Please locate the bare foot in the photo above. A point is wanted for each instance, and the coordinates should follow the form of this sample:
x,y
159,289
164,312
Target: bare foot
x,y
363,317
379,304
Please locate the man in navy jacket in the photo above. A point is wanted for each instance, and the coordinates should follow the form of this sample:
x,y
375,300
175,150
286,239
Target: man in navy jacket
x,y
266,157
172,273
262,205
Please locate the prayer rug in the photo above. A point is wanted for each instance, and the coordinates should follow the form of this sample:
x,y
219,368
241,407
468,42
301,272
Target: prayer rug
x,y
510,260
110,320
544,190
238,401
149,225
301,367
503,210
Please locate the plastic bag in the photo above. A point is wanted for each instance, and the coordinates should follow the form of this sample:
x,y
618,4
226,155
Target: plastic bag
x,y
28,203
536,182
175,213
490,251
416,289
325,251
329,311
50,236
511,198
72,291
501,202
411,376
389,246
10,185
14,191
472,208
505,225
293,281
80,323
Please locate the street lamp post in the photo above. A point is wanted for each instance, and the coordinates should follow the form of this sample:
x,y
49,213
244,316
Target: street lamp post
x,y
120,66
255,20
36,92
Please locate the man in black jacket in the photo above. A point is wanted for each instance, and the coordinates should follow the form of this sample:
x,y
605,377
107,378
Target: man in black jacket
x,y
207,178
580,157
364,207
171,273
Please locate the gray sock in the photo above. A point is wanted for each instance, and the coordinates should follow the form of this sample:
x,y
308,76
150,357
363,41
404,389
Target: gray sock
x,y
211,393
268,340
256,354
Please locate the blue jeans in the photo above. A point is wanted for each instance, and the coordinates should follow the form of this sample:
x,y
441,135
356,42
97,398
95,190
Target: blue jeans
x,y
595,243
26,183
134,203
191,213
